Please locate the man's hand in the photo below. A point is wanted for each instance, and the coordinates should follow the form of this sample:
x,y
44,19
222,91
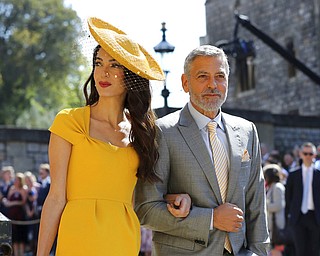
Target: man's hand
x,y
178,205
228,217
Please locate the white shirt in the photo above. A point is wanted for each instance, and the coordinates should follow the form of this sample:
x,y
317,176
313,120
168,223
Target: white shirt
x,y
310,196
45,181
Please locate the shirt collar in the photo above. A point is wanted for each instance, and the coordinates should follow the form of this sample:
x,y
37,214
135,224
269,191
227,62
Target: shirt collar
x,y
202,120
305,168
46,181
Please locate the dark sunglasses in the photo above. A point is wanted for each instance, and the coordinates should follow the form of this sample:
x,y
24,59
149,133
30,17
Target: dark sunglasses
x,y
307,154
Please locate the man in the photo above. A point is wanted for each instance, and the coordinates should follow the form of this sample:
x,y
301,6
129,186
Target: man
x,y
228,213
289,162
45,181
303,203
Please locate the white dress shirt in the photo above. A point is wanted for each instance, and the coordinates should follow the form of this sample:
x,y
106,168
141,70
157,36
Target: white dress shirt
x,y
310,195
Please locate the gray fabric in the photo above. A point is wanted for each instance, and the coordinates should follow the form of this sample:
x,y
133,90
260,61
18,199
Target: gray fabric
x,y
185,167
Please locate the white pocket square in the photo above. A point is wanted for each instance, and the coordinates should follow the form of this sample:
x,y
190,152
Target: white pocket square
x,y
245,157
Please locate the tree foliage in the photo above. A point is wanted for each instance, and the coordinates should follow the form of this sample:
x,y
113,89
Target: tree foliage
x,y
39,61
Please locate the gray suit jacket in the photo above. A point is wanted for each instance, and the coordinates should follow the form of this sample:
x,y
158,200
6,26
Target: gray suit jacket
x,y
185,167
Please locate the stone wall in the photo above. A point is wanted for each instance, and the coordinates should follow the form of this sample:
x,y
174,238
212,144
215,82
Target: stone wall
x,y
285,21
282,132
24,149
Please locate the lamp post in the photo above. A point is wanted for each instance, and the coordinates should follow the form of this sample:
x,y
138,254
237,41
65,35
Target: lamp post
x,y
164,47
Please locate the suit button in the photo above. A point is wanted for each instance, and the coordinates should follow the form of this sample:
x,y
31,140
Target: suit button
x,y
199,242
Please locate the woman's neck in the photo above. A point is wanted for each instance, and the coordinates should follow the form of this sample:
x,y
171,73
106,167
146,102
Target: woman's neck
x,y
108,110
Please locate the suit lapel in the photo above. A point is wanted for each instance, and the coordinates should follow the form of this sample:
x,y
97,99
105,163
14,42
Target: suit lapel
x,y
235,152
191,134
315,184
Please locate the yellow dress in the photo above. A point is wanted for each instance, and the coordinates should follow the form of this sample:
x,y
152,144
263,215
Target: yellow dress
x,y
98,218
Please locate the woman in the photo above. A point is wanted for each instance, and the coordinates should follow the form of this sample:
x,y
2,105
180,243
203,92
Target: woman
x,y
113,138
16,203
275,201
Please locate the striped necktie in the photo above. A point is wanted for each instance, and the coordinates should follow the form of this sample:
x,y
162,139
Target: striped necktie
x,y
221,168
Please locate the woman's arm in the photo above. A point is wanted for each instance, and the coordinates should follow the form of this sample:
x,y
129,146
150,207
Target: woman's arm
x,y
8,203
59,155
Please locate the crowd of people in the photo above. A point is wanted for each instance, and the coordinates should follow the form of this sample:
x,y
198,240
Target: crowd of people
x,y
292,199
22,197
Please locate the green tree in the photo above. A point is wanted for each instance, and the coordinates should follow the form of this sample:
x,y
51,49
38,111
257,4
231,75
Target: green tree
x,y
40,61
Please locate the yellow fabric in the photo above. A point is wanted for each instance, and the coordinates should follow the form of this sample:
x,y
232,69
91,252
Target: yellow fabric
x,y
99,218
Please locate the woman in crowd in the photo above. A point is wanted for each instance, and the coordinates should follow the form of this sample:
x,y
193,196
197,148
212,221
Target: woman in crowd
x,y
15,204
275,202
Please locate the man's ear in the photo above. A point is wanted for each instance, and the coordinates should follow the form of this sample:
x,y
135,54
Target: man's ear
x,y
184,81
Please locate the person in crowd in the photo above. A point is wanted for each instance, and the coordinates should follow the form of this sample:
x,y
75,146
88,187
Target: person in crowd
x,y
114,138
45,183
303,203
32,187
7,177
16,203
296,154
275,158
264,153
317,159
146,236
275,202
44,179
318,153
215,158
289,162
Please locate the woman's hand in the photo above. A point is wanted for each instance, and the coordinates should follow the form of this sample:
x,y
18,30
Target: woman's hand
x,y
179,205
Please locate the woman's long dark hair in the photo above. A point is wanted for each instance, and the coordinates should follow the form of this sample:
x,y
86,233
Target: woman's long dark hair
x,y
143,129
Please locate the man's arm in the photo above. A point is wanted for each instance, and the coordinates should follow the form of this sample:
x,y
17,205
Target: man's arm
x,y
151,207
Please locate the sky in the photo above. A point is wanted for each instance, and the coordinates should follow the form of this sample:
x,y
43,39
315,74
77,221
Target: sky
x,y
141,19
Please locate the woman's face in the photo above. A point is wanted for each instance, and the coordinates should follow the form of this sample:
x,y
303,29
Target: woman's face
x,y
28,181
108,75
18,182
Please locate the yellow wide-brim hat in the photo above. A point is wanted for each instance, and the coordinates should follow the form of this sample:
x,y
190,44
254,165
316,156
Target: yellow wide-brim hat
x,y
123,49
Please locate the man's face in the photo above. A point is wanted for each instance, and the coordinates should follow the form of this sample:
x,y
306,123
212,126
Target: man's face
x,y
207,84
307,155
287,159
43,174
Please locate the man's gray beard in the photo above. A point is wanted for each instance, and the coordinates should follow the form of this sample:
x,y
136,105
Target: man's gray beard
x,y
208,106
